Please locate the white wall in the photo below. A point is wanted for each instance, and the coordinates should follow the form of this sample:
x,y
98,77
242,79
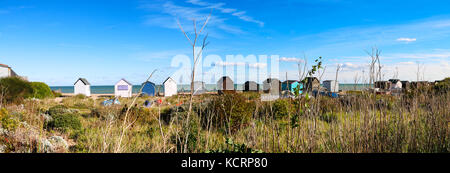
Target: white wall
x,y
332,86
170,88
397,85
123,93
4,72
80,88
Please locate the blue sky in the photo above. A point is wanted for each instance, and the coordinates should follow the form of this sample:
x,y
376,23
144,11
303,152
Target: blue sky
x,y
58,41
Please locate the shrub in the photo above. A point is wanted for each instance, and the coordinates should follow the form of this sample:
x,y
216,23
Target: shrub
x,y
58,109
80,96
41,90
65,122
193,138
16,89
232,110
281,108
443,86
7,121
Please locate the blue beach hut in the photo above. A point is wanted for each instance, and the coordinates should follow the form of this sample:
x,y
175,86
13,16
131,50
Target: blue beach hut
x,y
290,85
149,89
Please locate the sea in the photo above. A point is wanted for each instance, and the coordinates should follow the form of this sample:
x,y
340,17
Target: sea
x,y
109,89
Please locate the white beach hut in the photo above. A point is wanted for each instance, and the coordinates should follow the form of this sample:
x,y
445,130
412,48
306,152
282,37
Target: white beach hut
x,y
170,87
123,88
331,85
6,71
82,86
396,84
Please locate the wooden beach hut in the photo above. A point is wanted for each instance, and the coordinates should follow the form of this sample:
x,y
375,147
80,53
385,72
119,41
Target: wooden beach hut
x,y
199,88
331,85
384,85
312,84
170,87
123,88
149,88
251,86
272,86
225,84
82,86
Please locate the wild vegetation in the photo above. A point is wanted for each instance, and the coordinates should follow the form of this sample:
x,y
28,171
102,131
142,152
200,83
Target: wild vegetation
x,y
360,122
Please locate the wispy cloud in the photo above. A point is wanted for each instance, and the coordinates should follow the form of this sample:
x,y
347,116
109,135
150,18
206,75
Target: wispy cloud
x,y
352,66
291,59
235,12
171,12
360,38
159,55
407,39
252,65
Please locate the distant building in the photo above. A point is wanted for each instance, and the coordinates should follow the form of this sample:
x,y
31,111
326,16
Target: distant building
x,y
123,88
395,84
251,86
170,87
149,89
331,85
225,84
6,71
312,84
82,86
199,88
290,86
384,85
272,86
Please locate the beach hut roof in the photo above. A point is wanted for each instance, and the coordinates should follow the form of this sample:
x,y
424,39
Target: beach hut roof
x,y
225,78
4,65
270,80
125,81
82,80
168,79
290,81
394,80
148,82
312,78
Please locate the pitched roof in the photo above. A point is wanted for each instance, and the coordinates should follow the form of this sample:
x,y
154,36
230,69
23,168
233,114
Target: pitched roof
x,y
4,65
125,81
148,82
168,79
270,80
251,82
290,81
83,80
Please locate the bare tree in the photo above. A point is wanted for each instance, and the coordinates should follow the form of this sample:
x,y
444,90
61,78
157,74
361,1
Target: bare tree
x,y
395,73
338,68
374,71
195,57
420,70
127,124
356,79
